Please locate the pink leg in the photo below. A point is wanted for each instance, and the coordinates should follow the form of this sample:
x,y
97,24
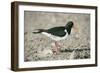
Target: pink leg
x,y
56,48
57,45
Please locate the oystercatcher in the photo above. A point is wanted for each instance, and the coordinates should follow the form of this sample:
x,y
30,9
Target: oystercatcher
x,y
57,34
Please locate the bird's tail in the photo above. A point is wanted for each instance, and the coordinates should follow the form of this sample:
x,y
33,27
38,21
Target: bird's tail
x,y
38,31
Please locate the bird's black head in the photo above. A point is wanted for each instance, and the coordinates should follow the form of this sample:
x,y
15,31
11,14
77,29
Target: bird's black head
x,y
69,26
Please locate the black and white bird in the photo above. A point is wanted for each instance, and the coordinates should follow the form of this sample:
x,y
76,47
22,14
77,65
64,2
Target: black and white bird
x,y
57,33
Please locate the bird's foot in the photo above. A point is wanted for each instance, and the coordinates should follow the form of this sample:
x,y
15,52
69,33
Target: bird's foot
x,y
55,51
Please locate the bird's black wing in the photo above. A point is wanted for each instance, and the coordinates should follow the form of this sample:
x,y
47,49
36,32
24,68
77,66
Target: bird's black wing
x,y
57,31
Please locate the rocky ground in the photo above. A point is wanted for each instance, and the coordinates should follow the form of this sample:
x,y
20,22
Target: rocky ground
x,y
40,49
